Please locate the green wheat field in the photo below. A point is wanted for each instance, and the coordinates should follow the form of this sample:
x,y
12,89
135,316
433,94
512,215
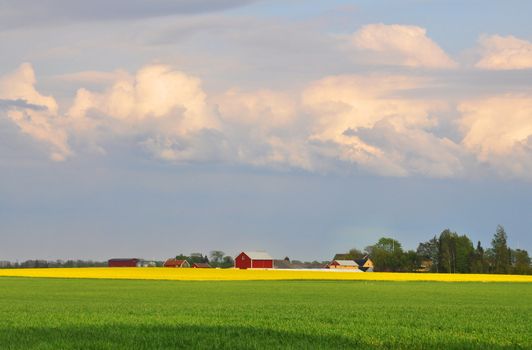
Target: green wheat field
x,y
123,314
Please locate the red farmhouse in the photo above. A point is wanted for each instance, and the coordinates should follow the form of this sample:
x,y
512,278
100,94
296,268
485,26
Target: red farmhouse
x,y
176,263
123,262
254,260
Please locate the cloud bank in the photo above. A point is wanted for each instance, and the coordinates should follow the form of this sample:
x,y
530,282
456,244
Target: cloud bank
x,y
386,124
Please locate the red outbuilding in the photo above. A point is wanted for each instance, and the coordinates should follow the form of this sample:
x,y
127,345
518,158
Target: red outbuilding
x,y
176,263
129,262
254,260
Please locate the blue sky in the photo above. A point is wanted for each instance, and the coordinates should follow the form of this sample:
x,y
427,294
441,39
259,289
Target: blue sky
x,y
305,128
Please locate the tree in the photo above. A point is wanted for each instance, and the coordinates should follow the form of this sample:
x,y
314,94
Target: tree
x,y
500,250
465,254
479,264
455,252
410,261
521,262
447,251
182,257
387,255
228,261
430,250
197,258
216,257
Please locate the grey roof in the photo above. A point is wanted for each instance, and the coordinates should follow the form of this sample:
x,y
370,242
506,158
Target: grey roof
x,y
346,262
258,255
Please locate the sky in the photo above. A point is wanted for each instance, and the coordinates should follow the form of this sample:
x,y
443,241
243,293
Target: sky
x,y
150,128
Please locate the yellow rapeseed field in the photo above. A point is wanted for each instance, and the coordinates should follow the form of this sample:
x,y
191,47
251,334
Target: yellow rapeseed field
x,y
184,274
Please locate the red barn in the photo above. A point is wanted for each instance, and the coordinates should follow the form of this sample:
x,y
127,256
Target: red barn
x,y
133,262
254,260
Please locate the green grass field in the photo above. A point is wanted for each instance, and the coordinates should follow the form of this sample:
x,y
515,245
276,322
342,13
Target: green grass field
x,y
111,314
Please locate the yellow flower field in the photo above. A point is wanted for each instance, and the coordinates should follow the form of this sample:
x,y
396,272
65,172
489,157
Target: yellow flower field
x,y
160,273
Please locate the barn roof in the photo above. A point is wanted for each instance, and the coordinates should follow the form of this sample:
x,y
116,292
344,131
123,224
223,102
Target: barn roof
x,y
202,265
346,262
362,262
174,261
258,255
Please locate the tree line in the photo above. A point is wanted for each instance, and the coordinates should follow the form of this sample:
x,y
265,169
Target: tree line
x,y
216,258
38,263
448,252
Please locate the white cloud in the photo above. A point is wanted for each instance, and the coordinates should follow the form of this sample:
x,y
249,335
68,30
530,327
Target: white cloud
x,y
372,126
373,123
168,106
401,45
35,114
498,130
264,107
263,127
504,53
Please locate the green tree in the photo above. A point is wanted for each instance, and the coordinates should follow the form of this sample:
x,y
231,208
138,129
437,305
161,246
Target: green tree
x,y
410,261
227,261
430,250
387,255
500,250
479,264
216,257
447,251
465,253
456,252
521,264
197,258
182,257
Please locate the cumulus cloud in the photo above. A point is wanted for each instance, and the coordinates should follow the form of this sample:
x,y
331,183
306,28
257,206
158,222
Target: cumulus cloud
x,y
167,105
504,53
401,45
373,127
370,123
264,128
262,107
34,114
498,130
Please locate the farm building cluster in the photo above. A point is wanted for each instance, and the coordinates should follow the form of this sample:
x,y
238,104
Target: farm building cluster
x,y
251,260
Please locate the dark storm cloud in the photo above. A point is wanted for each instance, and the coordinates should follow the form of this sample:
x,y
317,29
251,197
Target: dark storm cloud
x,y
15,13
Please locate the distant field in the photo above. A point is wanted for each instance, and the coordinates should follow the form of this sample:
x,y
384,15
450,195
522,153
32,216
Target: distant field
x,y
243,275
39,313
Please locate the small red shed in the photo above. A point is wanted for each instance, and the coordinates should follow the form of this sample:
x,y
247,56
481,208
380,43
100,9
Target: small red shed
x,y
254,260
129,262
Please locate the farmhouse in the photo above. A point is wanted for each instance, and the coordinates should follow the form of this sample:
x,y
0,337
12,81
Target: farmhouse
x,y
254,260
128,262
176,263
344,264
201,266
365,264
